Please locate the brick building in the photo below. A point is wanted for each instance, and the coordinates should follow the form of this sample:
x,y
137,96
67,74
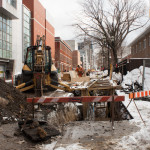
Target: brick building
x,y
75,58
40,24
20,23
140,47
63,55
75,53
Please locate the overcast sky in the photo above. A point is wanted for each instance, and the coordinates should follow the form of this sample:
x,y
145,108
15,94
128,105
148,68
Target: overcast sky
x,y
62,14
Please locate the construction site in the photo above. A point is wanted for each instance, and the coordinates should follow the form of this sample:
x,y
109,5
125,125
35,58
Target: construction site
x,y
79,114
58,94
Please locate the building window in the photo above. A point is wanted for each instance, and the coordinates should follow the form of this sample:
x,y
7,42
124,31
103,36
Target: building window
x,y
5,37
136,49
144,43
140,46
12,3
26,30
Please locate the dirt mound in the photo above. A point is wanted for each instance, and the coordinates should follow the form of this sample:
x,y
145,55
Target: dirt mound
x,y
16,105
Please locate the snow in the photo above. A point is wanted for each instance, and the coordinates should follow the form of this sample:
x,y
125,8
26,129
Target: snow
x,y
74,146
139,140
136,75
116,76
8,81
48,146
51,146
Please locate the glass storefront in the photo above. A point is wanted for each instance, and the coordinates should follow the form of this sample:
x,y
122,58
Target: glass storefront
x,y
26,30
5,37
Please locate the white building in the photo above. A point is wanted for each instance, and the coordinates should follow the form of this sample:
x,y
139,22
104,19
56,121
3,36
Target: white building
x,y
86,53
14,36
73,44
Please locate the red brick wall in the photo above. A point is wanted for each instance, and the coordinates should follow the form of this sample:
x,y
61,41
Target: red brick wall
x,y
0,3
39,20
39,12
63,55
141,52
39,24
29,4
57,51
75,58
50,38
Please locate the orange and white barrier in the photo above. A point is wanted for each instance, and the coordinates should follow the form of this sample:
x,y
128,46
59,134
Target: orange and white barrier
x,y
75,99
139,94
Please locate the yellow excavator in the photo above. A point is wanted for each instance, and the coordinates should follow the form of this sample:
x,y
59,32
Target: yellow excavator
x,y
39,72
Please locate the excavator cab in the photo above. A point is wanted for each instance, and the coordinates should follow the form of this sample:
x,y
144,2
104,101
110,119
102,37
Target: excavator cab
x,y
38,71
35,61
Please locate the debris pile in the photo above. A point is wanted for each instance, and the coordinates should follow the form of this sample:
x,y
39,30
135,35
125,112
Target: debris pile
x,y
13,104
37,130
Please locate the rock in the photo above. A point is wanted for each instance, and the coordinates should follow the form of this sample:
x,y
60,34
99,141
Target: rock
x,y
3,102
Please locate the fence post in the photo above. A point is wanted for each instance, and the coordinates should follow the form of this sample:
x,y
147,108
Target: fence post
x,y
143,77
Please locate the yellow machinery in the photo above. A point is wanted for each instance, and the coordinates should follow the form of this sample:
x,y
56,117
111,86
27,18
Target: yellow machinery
x,y
39,72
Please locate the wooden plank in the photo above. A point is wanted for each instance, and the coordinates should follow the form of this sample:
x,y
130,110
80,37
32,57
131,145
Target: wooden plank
x,y
100,85
66,76
102,88
85,104
80,79
73,74
111,71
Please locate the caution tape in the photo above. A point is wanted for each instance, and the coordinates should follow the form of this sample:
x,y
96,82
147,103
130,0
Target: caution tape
x,y
75,99
139,94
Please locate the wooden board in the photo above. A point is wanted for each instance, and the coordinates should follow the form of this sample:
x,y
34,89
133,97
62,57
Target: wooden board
x,y
66,76
73,74
80,79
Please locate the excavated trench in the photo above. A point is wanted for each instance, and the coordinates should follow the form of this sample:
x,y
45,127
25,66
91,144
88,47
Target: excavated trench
x,y
13,107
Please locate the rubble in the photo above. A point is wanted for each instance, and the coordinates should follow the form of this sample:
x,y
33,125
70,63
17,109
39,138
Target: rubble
x,y
13,103
37,130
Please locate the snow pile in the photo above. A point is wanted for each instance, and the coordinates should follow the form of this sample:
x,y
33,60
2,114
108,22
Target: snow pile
x,y
48,146
99,74
116,76
139,140
51,146
75,146
105,72
136,75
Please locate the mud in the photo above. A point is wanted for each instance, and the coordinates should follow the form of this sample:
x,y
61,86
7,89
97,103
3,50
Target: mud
x,y
17,106
96,135
90,135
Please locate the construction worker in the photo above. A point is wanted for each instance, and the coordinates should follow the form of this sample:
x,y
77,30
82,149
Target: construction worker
x,y
80,71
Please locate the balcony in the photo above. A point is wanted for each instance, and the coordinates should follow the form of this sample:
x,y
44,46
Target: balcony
x,y
9,8
13,3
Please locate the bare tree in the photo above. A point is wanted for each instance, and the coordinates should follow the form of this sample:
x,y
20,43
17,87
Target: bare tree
x,y
109,22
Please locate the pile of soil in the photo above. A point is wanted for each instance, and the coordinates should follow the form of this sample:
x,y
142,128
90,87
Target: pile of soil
x,y
16,107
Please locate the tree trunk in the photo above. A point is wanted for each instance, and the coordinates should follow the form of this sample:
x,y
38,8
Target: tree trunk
x,y
114,59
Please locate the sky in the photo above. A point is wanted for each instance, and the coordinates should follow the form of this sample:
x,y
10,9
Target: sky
x,y
62,14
